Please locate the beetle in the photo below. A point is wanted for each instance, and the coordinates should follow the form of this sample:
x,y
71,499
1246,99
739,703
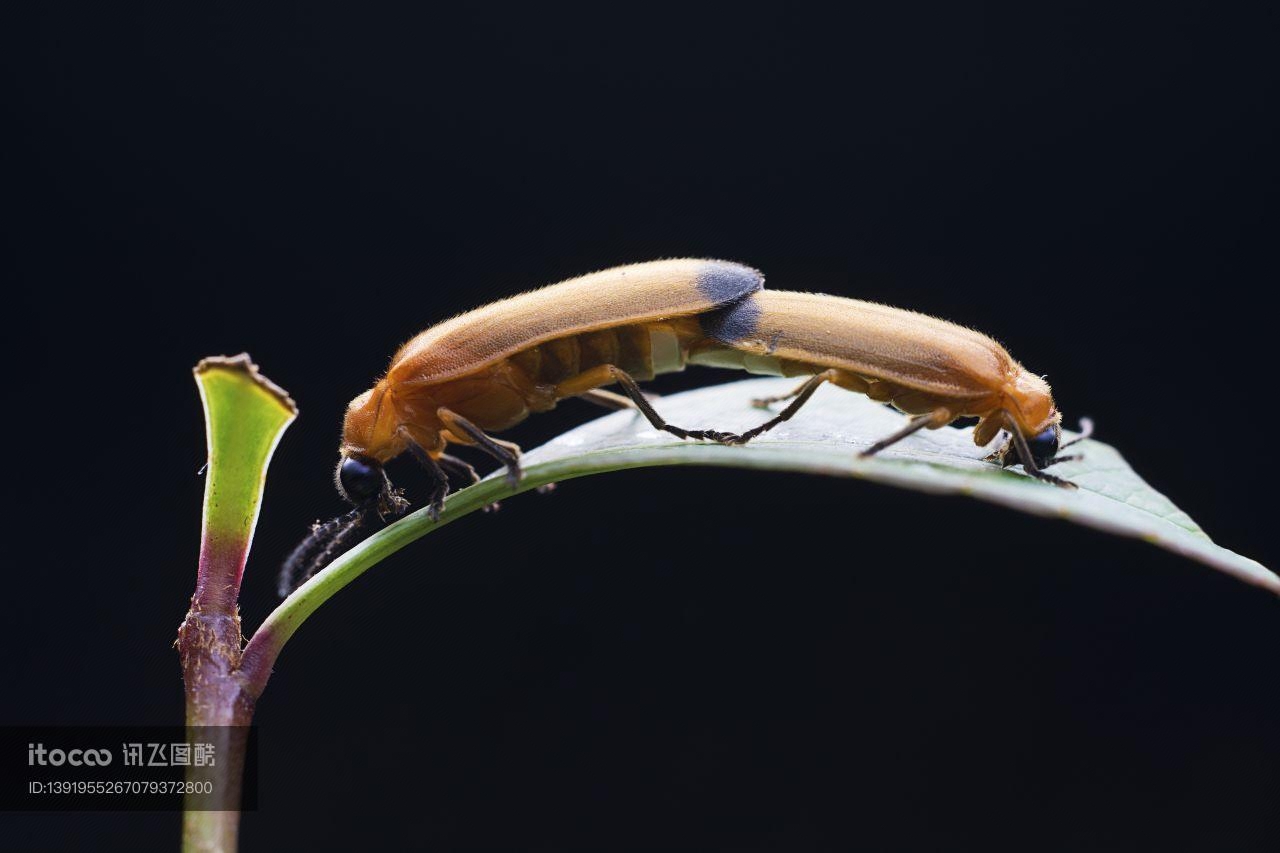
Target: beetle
x,y
931,369
488,369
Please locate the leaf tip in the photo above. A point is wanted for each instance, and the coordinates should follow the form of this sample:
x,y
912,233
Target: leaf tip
x,y
243,365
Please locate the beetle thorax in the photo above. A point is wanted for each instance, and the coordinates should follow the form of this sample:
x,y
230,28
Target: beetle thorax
x,y
369,428
1030,402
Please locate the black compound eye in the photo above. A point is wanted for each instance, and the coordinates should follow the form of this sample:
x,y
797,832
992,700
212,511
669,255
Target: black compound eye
x,y
1045,445
359,480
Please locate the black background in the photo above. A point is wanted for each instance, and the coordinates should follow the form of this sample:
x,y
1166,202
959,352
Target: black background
x,y
667,658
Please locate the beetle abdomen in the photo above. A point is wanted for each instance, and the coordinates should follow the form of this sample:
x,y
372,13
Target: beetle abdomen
x,y
642,350
506,393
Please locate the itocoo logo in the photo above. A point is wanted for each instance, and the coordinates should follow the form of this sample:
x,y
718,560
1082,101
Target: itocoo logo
x,y
38,755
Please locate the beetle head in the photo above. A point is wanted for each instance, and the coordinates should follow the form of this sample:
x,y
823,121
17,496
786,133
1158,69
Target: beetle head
x,y
1043,446
364,484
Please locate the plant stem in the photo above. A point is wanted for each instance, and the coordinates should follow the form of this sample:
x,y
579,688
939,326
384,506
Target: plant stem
x,y
209,647
245,415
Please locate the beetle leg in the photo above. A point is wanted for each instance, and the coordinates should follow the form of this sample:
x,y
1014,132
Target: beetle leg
x,y
765,402
632,390
439,479
933,420
802,393
607,399
839,378
504,451
1029,462
1086,430
456,467
987,428
606,373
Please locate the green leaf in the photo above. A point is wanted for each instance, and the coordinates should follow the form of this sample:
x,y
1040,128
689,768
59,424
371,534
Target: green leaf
x,y
823,438
245,416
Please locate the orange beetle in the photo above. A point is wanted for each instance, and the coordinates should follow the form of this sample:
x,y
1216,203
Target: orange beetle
x,y
930,368
488,369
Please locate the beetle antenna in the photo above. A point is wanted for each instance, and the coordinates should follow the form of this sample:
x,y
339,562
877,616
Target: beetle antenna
x,y
336,543
1086,430
313,552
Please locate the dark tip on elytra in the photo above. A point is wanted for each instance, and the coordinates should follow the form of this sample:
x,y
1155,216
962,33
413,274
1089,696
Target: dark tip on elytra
x,y
733,323
722,282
